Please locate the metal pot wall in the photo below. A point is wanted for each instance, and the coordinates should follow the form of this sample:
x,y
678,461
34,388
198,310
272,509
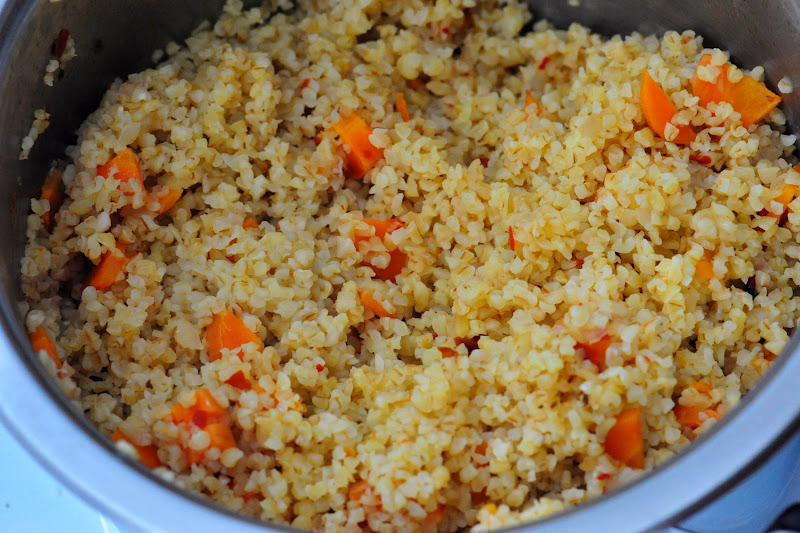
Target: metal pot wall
x,y
116,37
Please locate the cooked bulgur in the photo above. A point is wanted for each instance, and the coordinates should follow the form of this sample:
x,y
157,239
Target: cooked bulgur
x,y
577,297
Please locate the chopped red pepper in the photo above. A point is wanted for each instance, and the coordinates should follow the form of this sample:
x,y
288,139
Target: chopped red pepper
x,y
240,381
471,343
306,83
702,159
200,419
511,242
485,161
60,44
320,368
603,477
447,352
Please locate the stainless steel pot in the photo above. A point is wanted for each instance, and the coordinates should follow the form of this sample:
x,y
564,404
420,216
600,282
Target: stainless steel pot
x,y
116,37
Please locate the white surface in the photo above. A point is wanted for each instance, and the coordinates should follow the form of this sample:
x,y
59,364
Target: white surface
x,y
32,501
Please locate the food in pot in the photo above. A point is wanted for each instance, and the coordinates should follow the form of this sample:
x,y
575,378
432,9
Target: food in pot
x,y
400,266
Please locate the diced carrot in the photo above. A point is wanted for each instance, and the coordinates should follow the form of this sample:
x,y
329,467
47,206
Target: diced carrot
x,y
435,516
624,441
250,223
358,490
382,227
169,199
148,455
205,402
53,192
694,417
40,340
787,196
748,97
240,381
530,100
221,436
181,414
354,132
596,351
374,305
658,110
701,386
447,352
207,414
402,108
705,266
397,261
111,264
397,258
227,331
127,168
511,242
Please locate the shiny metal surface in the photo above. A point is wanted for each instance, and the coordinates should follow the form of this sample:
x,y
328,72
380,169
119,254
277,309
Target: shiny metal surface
x,y
115,37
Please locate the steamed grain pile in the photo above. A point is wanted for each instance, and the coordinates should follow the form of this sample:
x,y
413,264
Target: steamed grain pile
x,y
528,298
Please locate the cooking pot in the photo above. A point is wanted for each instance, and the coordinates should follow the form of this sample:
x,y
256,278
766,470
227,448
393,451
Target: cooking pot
x,y
117,37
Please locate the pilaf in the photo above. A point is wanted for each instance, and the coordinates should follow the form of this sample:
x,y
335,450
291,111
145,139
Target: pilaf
x,y
398,266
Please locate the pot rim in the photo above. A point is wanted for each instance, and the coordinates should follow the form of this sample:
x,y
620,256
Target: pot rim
x,y
34,410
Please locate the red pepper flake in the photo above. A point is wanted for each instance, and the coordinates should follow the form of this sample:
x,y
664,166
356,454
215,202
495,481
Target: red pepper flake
x,y
544,63
702,159
451,106
579,263
485,162
306,83
320,368
604,477
318,140
60,44
248,496
511,242
446,31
